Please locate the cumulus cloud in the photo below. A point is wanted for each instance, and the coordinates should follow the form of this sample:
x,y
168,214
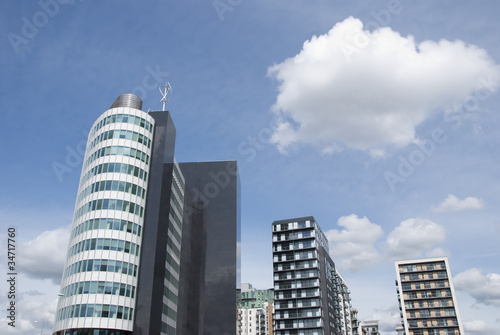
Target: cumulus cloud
x,y
454,204
44,256
475,325
413,238
41,312
387,318
484,288
353,247
369,90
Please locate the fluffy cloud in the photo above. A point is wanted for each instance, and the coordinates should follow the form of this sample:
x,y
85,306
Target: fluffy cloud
x,y
454,204
387,318
475,325
41,312
369,90
353,247
44,256
413,238
484,288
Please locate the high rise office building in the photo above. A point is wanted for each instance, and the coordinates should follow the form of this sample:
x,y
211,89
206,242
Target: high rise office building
x,y
131,253
427,298
310,295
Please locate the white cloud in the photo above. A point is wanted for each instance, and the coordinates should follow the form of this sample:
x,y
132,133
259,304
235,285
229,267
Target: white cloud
x,y
353,248
413,238
475,325
484,288
387,318
370,90
29,311
44,256
437,252
454,204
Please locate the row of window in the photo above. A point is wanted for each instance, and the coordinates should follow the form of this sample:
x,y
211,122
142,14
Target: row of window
x,y
99,287
298,303
290,256
428,303
294,245
296,274
296,265
122,118
298,313
422,267
104,244
293,225
117,150
96,311
296,284
433,323
302,293
92,331
112,185
104,265
419,276
445,331
425,313
110,204
107,223
425,285
115,168
300,332
427,294
123,134
306,323
293,235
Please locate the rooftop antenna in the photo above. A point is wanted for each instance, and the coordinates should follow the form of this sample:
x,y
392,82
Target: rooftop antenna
x,y
165,92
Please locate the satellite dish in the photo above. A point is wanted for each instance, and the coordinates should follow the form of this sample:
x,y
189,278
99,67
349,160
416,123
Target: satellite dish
x,y
166,93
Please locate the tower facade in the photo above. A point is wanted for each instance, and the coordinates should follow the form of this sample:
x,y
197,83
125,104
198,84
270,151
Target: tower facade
x,y
427,297
130,249
99,284
311,297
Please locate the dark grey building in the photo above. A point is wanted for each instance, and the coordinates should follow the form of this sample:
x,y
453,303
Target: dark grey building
x,y
154,243
210,251
310,295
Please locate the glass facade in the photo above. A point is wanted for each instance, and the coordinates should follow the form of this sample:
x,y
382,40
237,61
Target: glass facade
x,y
154,244
427,297
209,266
98,290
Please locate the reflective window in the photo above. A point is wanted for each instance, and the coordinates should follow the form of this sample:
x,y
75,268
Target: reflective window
x,y
117,150
96,311
111,204
120,133
104,244
122,118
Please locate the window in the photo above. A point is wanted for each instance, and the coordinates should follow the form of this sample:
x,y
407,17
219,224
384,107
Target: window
x,y
424,313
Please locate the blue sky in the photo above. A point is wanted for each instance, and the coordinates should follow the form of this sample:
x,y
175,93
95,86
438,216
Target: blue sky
x,y
379,118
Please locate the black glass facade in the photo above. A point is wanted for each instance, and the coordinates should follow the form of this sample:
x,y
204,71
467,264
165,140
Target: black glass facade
x,y
211,230
150,298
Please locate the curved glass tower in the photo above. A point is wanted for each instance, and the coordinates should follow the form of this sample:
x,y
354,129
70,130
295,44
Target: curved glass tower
x,y
153,246
99,284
